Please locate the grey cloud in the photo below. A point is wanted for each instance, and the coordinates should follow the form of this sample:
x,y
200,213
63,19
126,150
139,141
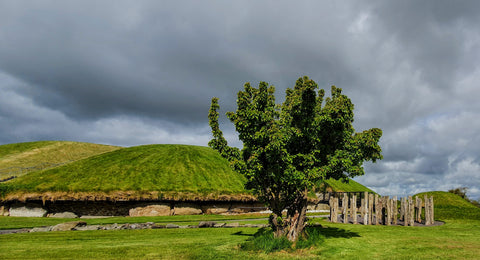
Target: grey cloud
x,y
129,73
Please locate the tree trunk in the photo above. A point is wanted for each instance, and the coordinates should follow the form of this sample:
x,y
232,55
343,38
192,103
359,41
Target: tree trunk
x,y
294,224
297,224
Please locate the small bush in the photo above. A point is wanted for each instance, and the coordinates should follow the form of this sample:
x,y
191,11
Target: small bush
x,y
312,237
264,241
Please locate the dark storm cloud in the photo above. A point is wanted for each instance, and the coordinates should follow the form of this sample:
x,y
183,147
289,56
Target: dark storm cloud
x,y
128,73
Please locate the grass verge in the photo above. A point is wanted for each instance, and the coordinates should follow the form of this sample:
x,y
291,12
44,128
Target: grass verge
x,y
457,239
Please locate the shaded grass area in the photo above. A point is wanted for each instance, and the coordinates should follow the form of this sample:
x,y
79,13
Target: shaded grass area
x,y
169,168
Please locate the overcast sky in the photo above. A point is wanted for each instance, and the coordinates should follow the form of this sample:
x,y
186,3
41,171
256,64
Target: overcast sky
x,y
142,72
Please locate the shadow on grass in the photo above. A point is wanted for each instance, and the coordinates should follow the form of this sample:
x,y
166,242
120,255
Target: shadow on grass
x,y
333,232
327,232
240,233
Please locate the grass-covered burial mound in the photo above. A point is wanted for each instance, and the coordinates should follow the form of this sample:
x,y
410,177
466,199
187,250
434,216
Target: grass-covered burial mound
x,y
177,172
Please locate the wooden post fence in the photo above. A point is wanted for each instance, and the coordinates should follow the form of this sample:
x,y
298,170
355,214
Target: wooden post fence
x,y
375,210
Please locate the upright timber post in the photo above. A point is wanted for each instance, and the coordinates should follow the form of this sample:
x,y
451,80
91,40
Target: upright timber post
x,y
418,206
378,209
345,208
395,210
411,212
333,209
365,208
389,211
432,214
353,208
370,209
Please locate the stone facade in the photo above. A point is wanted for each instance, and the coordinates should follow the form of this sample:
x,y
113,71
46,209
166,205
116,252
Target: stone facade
x,y
85,209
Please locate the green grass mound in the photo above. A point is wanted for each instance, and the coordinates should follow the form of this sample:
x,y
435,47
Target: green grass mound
x,y
166,169
340,186
65,169
451,206
22,158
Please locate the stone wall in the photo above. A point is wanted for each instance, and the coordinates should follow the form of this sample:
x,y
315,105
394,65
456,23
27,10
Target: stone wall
x,y
125,208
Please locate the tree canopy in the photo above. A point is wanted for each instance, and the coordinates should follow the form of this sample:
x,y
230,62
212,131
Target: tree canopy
x,y
291,147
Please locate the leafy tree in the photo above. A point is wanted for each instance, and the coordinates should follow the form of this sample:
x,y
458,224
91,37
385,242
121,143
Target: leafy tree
x,y
289,149
462,192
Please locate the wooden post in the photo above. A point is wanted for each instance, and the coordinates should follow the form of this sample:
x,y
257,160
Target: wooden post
x,y
345,208
330,203
353,208
429,216
362,210
418,206
395,210
427,211
402,209
432,215
365,208
333,209
388,208
411,211
370,209
378,209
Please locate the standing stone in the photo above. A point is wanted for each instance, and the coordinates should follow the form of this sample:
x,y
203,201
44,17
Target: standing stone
x,y
151,211
29,210
187,209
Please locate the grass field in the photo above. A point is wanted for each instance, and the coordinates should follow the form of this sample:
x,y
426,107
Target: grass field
x,y
457,239
37,155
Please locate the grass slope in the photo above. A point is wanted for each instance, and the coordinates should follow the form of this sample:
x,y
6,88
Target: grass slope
x,y
351,186
164,168
451,206
147,172
16,158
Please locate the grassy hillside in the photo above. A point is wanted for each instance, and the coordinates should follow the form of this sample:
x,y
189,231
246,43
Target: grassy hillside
x,y
107,172
451,206
340,186
21,158
166,169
